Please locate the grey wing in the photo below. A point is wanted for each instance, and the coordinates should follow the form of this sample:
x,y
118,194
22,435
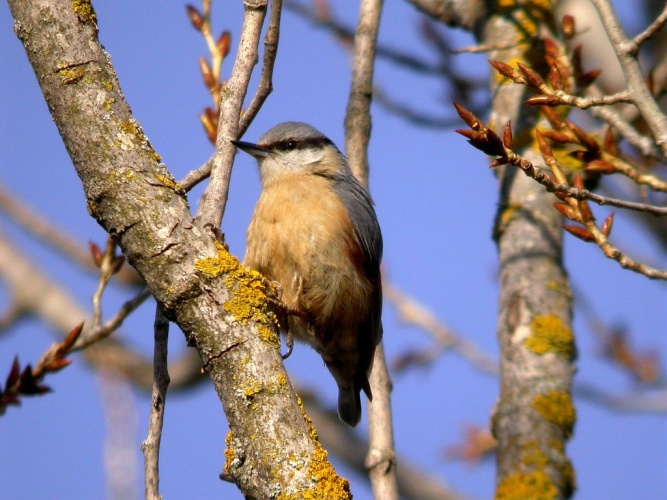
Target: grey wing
x,y
359,206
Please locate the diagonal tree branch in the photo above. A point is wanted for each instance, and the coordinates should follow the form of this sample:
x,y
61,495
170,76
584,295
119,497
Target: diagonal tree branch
x,y
218,305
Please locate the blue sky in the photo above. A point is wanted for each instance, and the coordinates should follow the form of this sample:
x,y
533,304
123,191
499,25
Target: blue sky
x,y
435,199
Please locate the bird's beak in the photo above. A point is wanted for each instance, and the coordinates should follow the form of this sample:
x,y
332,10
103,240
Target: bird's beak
x,y
254,150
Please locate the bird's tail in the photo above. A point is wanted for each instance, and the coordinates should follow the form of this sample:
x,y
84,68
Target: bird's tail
x,y
349,405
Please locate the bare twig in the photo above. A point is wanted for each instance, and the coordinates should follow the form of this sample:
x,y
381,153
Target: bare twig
x,y
194,177
381,456
151,446
626,51
102,331
265,85
214,200
109,265
651,30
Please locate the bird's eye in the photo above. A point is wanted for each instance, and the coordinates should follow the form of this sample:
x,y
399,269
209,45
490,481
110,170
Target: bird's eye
x,y
290,145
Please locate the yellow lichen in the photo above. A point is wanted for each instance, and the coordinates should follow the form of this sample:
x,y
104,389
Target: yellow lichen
x,y
281,380
533,456
229,453
250,388
548,333
556,407
168,181
249,292
326,483
72,75
522,486
85,12
129,126
108,103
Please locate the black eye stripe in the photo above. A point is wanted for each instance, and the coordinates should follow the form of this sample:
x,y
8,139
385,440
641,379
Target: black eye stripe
x,y
292,144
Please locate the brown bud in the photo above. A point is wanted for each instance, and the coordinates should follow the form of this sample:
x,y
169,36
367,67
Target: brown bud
x,y
577,182
610,144
555,78
533,78
224,43
118,264
206,73
57,365
543,100
195,16
468,117
585,139
566,210
568,26
580,232
600,166
72,337
585,211
96,253
508,140
209,121
553,118
607,225
556,136
508,71
545,149
551,49
585,79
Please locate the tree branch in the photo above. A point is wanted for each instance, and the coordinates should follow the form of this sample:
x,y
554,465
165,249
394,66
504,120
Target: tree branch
x,y
381,455
626,51
232,95
136,200
151,446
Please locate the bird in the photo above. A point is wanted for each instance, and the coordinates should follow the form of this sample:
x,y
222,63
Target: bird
x,y
315,231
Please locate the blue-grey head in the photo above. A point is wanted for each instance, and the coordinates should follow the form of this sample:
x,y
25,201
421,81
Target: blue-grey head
x,y
294,148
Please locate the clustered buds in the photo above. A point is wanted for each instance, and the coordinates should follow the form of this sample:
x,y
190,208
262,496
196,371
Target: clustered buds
x,y
28,382
479,135
107,262
211,72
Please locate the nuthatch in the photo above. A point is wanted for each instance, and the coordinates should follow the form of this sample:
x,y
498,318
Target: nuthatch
x,y
314,230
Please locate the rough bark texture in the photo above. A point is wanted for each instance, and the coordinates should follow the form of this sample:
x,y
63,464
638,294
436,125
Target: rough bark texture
x,y
218,305
534,416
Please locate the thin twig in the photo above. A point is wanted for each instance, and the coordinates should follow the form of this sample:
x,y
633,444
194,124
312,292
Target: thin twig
x,y
214,200
580,194
380,459
642,142
626,53
651,30
194,177
151,446
265,86
102,331
106,272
